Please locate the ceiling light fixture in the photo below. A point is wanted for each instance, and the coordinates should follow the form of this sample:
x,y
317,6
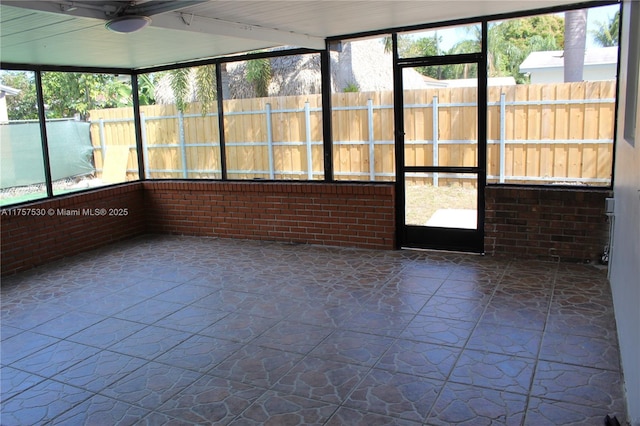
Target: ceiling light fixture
x,y
127,24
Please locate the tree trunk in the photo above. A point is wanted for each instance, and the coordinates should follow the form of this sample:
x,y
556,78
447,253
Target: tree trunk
x,y
575,37
224,74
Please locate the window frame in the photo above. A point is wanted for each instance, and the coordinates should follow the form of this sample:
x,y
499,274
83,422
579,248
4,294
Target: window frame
x,y
325,93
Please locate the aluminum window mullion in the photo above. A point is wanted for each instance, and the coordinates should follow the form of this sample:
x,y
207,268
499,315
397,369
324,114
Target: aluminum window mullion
x,y
43,134
222,149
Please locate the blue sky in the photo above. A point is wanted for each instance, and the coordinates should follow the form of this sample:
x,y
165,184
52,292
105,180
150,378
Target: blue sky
x,y
597,14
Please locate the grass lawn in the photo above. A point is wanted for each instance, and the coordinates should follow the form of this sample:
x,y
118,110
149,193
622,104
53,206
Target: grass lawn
x,y
422,201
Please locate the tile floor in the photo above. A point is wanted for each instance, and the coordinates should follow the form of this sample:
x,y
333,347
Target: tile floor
x,y
164,330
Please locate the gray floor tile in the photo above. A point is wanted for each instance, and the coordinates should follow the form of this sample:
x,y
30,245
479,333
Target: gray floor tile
x,y
170,330
470,405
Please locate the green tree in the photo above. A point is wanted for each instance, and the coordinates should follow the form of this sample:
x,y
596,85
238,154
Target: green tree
x,y
146,89
65,93
510,42
405,46
206,87
457,71
607,33
258,72
201,81
22,106
351,88
70,93
180,86
427,46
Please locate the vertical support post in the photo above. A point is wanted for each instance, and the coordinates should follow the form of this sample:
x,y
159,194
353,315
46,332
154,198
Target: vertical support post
x,y
327,133
307,126
42,119
270,141
435,138
398,120
183,148
221,89
503,132
103,147
142,173
372,148
145,150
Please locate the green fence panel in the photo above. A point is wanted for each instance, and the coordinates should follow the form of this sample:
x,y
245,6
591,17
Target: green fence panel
x,y
70,152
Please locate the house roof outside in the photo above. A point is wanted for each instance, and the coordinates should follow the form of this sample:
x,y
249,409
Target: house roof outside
x,y
555,58
6,90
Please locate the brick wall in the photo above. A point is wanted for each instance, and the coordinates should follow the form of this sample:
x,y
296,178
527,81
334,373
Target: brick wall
x,y
525,222
44,231
546,223
341,214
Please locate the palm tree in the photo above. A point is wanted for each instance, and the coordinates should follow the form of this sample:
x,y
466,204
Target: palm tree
x,y
575,38
258,72
180,86
204,86
457,71
608,32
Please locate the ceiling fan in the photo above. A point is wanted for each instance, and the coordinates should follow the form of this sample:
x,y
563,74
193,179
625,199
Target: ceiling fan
x,y
131,16
125,16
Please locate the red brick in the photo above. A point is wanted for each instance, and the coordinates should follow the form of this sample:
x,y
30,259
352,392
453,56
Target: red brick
x,y
569,222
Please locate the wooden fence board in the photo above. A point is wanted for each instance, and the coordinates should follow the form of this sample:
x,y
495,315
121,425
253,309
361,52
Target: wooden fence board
x,y
493,131
534,131
520,130
561,153
547,123
605,131
469,153
576,130
541,122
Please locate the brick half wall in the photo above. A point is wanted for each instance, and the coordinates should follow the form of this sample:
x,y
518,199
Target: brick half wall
x,y
44,231
349,215
546,223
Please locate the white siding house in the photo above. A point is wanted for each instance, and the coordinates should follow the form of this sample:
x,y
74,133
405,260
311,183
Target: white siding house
x,y
4,91
548,66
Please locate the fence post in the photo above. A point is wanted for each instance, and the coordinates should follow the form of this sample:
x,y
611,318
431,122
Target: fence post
x,y
183,148
103,148
372,147
307,125
269,141
502,134
435,138
145,150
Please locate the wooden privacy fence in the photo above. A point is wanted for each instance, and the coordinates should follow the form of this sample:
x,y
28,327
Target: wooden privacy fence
x,y
550,133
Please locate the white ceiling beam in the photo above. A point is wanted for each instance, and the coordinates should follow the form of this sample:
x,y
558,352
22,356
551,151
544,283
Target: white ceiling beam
x,y
65,8
201,24
101,10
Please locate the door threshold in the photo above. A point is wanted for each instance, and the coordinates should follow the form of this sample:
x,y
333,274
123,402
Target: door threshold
x,y
434,250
